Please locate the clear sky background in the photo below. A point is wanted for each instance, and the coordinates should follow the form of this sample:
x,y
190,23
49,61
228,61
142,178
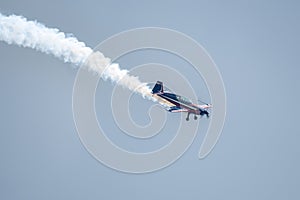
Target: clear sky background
x,y
256,46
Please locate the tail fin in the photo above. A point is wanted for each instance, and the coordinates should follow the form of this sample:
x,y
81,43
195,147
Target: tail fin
x,y
158,88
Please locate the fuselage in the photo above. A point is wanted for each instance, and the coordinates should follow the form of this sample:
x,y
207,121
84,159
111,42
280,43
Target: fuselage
x,y
181,101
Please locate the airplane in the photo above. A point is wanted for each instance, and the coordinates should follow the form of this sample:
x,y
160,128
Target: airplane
x,y
177,103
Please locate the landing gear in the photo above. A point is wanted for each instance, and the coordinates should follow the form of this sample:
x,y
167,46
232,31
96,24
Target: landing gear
x,y
188,117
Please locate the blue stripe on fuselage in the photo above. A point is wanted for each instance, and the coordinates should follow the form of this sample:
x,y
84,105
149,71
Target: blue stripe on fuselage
x,y
174,99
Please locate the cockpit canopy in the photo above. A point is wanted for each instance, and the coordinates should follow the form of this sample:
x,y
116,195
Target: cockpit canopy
x,y
183,99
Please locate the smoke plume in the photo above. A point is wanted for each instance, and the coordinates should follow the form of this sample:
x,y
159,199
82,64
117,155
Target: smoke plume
x,y
19,31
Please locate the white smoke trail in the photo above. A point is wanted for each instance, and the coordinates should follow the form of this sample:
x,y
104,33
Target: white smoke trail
x,y
19,31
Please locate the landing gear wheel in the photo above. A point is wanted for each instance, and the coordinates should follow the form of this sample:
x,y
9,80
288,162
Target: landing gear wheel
x,y
195,117
188,117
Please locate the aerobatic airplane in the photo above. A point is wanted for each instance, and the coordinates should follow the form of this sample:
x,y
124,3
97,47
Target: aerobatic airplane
x,y
177,103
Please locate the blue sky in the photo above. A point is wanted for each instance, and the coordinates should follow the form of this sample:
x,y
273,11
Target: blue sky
x,y
255,44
